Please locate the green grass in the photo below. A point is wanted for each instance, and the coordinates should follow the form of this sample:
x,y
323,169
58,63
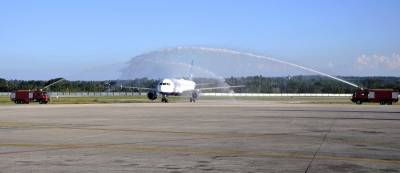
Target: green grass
x,y
295,100
313,100
88,100
98,99
5,100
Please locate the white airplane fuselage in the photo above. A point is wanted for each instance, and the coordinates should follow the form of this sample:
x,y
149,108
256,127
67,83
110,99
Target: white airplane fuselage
x,y
175,86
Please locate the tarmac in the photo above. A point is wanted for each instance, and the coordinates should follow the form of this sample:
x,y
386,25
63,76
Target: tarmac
x,y
207,136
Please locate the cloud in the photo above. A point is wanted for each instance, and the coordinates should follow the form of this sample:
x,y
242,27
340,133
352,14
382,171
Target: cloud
x,y
378,62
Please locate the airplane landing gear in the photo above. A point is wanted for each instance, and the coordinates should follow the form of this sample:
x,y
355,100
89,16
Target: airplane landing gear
x,y
164,99
195,95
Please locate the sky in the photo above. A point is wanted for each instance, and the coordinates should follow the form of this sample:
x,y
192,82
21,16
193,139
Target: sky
x,y
47,39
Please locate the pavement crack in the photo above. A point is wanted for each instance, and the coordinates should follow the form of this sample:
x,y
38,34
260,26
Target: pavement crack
x,y
320,146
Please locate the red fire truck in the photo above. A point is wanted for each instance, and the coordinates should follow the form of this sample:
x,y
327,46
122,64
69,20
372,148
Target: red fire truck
x,y
382,96
38,95
27,96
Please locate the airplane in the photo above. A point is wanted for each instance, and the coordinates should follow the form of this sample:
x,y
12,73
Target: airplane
x,y
177,87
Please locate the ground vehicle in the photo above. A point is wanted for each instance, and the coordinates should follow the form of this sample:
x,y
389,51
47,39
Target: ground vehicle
x,y
38,95
383,96
27,96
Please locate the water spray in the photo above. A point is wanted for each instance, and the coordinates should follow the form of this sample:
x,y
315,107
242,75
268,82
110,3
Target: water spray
x,y
55,82
234,52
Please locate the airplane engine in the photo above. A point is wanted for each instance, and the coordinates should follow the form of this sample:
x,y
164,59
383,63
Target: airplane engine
x,y
152,95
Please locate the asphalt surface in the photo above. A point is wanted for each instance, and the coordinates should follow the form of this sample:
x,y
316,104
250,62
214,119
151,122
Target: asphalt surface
x,y
208,136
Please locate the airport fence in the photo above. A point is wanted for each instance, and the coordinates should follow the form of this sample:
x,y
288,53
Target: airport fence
x,y
90,94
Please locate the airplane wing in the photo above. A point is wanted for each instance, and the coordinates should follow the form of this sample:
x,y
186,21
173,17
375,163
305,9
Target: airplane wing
x,y
224,87
140,88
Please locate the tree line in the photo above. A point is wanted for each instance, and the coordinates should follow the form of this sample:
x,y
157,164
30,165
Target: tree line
x,y
251,84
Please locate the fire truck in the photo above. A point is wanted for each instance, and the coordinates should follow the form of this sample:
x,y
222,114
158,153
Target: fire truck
x,y
382,96
27,96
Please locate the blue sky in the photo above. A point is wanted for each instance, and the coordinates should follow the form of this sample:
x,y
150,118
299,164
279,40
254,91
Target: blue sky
x,y
45,39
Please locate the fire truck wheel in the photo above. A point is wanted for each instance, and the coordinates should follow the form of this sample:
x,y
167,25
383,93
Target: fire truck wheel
x,y
359,102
